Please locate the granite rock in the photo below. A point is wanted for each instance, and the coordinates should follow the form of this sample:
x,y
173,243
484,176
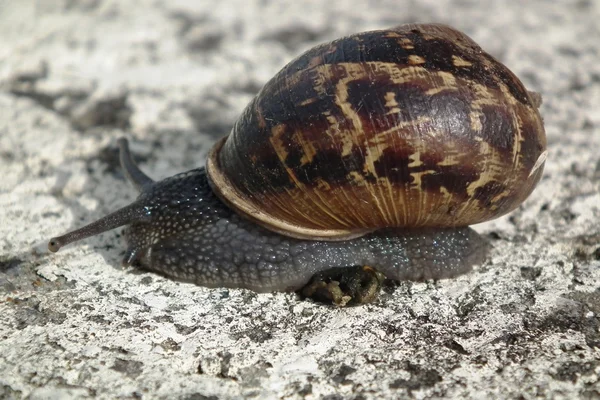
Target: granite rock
x,y
173,76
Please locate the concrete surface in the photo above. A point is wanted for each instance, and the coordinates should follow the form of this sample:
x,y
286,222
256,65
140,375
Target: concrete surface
x,y
172,76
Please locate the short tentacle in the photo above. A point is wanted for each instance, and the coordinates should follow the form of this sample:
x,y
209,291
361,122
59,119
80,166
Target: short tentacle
x,y
132,172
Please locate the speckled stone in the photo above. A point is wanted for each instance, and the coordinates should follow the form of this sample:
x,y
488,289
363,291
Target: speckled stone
x,y
173,76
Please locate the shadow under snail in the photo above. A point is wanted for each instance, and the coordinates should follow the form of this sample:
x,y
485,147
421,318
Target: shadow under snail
x,y
365,157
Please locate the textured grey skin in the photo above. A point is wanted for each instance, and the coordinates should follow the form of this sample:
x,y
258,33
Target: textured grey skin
x,y
187,233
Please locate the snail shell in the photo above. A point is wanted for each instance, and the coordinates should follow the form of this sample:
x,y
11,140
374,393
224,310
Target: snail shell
x,y
414,126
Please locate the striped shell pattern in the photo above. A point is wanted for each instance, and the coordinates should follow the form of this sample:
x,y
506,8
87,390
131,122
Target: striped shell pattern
x,y
414,126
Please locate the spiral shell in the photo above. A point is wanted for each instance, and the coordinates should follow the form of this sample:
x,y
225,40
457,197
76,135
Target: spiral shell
x,y
414,126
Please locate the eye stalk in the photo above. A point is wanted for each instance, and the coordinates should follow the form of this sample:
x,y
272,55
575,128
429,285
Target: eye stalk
x,y
124,216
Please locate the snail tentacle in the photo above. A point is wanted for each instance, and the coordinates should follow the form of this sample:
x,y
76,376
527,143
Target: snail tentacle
x,y
132,172
124,216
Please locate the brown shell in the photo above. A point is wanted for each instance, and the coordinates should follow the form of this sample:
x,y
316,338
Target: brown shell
x,y
408,127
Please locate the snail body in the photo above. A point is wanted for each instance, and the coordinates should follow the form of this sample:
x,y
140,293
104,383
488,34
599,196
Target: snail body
x,y
376,149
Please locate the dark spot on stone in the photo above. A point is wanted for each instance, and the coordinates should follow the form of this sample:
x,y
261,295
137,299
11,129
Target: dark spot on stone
x,y
210,116
203,40
176,307
568,51
254,375
131,300
170,345
7,286
566,214
132,369
109,156
572,315
255,334
305,390
43,99
590,394
118,350
111,110
7,156
508,338
587,125
577,84
480,359
7,392
389,287
579,170
163,319
419,378
187,21
342,373
147,280
455,346
517,307
573,370
198,396
494,235
583,4
9,263
225,365
530,273
471,302
392,329
40,71
333,397
98,319
79,5
24,84
587,247
30,312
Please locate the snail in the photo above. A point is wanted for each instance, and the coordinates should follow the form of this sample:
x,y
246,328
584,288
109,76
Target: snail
x,y
367,157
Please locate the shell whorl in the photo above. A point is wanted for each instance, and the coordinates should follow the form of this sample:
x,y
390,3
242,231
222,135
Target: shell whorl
x,y
408,127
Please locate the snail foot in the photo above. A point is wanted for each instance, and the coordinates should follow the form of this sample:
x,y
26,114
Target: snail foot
x,y
347,286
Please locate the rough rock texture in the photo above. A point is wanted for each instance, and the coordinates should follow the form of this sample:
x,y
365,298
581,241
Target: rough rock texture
x,y
172,76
